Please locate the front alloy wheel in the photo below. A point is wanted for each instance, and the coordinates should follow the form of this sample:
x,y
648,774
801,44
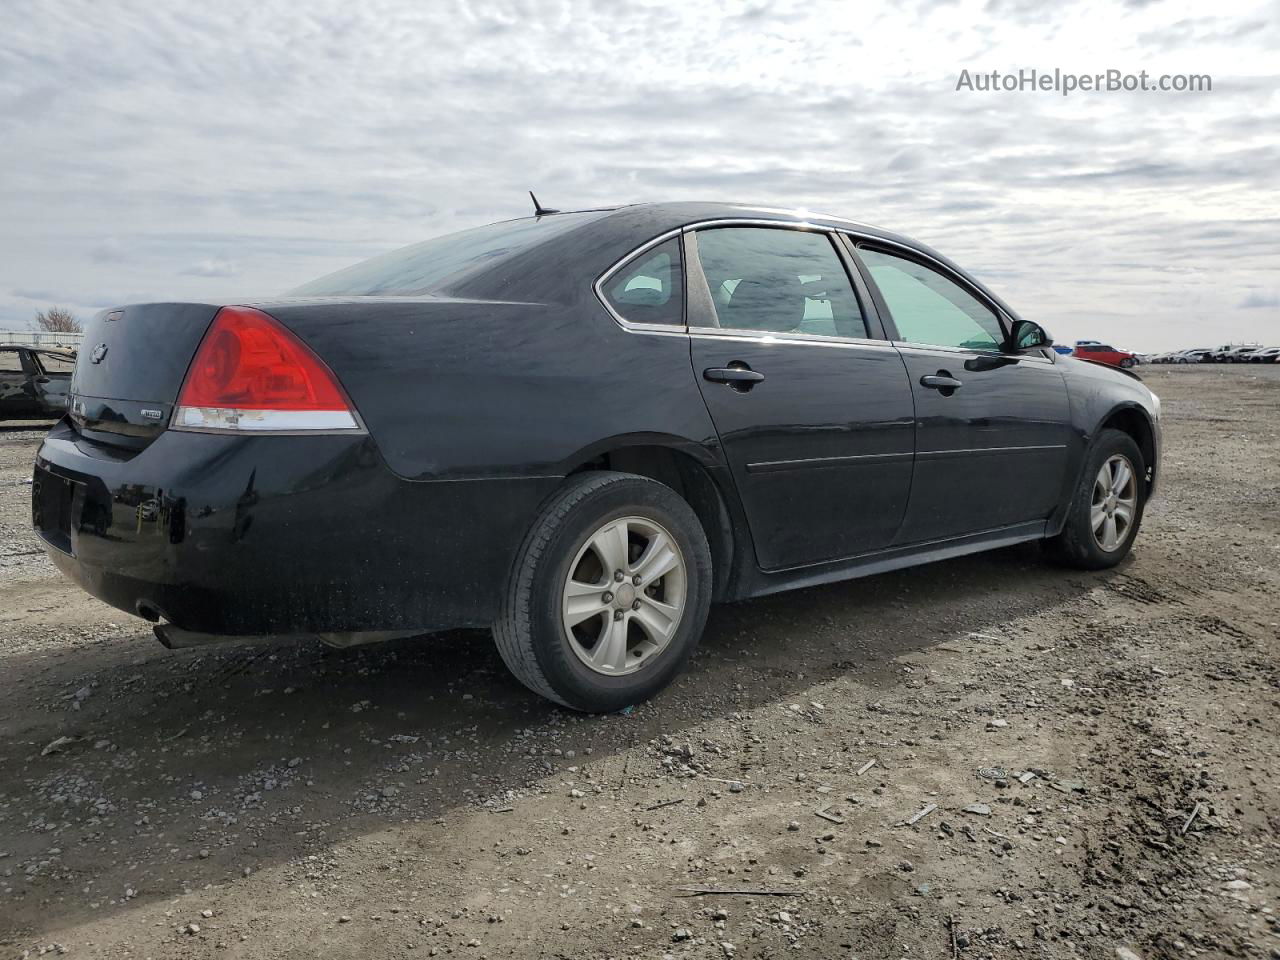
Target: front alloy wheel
x,y
624,596
1105,511
1115,502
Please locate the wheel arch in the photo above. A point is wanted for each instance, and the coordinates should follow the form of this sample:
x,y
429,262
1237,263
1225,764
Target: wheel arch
x,y
1130,418
693,472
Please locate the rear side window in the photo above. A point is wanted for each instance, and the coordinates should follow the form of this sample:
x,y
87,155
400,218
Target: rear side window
x,y
779,281
929,308
10,362
650,287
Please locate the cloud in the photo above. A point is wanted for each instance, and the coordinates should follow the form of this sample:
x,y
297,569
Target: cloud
x,y
107,250
1256,301
195,151
213,267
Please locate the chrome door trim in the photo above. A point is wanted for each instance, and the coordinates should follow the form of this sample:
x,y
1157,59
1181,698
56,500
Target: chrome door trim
x,y
909,347
813,339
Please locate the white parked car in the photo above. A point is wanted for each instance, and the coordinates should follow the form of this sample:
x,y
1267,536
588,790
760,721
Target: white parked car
x,y
1265,355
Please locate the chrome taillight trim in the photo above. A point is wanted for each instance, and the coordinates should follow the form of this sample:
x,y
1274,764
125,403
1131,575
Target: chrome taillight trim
x,y
233,420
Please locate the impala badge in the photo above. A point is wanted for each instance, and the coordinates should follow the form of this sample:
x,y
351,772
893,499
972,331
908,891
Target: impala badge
x,y
99,352
152,414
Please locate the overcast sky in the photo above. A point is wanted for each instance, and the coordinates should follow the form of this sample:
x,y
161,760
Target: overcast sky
x,y
225,149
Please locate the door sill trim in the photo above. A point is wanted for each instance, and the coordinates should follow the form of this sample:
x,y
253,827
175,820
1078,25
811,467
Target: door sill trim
x,y
892,558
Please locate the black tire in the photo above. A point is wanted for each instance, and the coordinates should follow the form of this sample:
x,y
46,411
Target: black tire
x,y
529,631
1075,546
1127,362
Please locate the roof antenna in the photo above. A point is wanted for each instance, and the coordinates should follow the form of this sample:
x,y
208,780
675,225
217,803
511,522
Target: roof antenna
x,y
538,209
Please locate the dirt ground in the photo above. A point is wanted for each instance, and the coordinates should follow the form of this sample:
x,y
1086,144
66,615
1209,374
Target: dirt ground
x,y
411,799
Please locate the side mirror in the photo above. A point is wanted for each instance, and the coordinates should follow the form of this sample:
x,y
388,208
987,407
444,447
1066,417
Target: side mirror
x,y
1028,336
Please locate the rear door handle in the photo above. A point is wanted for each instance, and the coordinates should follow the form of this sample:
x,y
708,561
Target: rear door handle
x,y
942,381
737,375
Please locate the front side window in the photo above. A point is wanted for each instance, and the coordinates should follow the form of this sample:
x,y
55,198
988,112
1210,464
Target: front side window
x,y
779,281
929,308
650,287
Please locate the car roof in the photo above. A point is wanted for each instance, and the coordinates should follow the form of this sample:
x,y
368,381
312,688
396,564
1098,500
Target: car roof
x,y
600,241
680,213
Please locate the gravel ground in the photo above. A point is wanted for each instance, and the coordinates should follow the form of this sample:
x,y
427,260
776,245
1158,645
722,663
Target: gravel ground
x,y
987,757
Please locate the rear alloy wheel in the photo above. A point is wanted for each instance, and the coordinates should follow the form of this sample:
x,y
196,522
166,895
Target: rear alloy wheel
x,y
1127,362
624,596
608,595
1106,508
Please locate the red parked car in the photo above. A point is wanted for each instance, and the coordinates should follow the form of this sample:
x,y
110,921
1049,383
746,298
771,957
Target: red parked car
x,y
1101,353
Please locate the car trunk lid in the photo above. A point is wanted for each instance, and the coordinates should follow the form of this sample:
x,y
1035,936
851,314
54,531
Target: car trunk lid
x,y
130,368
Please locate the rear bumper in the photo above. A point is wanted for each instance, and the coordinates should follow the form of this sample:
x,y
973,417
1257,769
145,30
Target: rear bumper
x,y
269,535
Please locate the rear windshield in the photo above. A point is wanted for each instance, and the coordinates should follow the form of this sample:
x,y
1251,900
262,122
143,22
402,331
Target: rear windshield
x,y
422,267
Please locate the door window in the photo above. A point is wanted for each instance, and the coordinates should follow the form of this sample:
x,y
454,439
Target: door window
x,y
55,363
650,288
929,308
779,281
10,362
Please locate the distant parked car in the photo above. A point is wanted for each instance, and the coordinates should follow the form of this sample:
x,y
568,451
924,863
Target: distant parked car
x,y
1216,354
1230,352
1265,355
1104,353
33,383
1192,356
1241,354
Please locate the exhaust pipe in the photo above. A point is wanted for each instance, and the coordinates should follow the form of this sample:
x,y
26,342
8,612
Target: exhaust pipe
x,y
175,638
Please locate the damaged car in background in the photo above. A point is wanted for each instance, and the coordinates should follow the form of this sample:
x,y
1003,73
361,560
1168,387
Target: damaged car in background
x,y
34,381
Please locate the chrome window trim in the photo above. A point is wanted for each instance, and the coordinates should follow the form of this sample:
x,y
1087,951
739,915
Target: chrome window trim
x,y
813,339
686,329
908,347
820,339
630,325
1005,321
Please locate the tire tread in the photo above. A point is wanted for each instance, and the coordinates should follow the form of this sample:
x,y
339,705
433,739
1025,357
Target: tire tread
x,y
513,629
1072,546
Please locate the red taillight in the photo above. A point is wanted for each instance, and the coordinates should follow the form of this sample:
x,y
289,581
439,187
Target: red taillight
x,y
250,373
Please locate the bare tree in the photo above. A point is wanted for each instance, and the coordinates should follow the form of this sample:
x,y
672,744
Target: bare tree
x,y
58,320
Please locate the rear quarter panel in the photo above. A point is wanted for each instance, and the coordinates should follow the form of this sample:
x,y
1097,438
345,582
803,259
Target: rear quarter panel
x,y
455,389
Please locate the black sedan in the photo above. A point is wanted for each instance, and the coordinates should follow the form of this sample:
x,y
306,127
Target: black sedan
x,y
582,429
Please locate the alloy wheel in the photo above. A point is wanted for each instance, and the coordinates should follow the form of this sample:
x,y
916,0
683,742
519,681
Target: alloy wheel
x,y
1114,504
624,597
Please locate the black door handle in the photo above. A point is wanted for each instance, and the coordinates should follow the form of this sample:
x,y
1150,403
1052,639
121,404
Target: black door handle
x,y
942,381
732,375
737,375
